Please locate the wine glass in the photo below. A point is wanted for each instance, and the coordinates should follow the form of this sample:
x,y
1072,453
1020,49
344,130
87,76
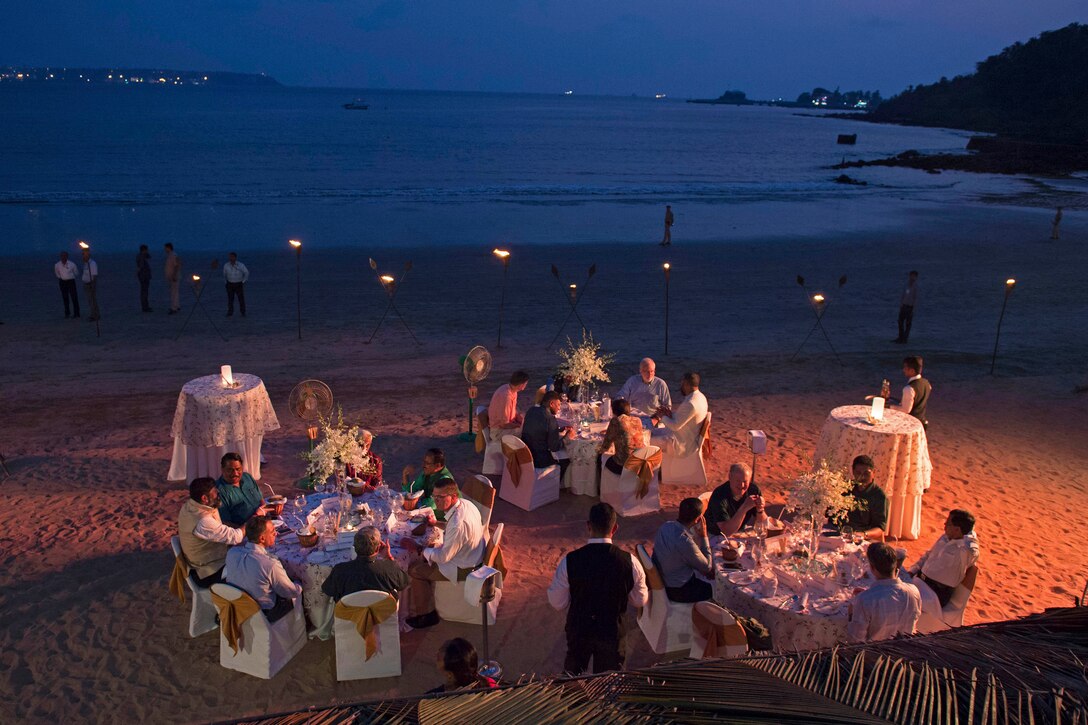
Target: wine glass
x,y
320,486
847,533
300,503
859,538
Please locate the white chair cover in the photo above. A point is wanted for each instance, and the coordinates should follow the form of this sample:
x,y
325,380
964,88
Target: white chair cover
x,y
666,625
452,604
351,661
481,506
687,470
203,614
493,458
621,491
266,648
938,619
719,618
537,487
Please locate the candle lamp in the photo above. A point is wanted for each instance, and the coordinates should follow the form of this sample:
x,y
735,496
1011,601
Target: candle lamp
x,y
226,375
876,411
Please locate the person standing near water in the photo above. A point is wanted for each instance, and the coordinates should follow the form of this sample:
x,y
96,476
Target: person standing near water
x,y
906,308
1054,224
172,272
66,271
143,273
90,283
667,239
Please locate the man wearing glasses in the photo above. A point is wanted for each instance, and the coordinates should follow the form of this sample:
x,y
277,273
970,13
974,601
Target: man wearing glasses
x,y
461,551
434,472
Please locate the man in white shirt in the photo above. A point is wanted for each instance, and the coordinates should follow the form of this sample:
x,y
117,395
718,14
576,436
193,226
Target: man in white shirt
x,y
172,274
681,434
943,567
646,391
595,584
66,271
462,550
889,607
253,570
235,274
502,413
205,539
915,395
90,283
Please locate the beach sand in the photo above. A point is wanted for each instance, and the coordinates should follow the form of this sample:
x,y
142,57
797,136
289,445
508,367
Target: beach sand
x,y
90,631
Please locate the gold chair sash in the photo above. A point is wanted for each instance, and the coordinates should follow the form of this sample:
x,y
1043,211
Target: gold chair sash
x,y
178,577
494,559
644,468
367,619
481,442
718,636
704,436
478,492
515,458
233,613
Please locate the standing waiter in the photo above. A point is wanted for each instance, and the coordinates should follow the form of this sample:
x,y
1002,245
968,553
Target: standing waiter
x,y
66,272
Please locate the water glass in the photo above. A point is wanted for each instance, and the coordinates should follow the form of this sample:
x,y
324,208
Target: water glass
x,y
847,533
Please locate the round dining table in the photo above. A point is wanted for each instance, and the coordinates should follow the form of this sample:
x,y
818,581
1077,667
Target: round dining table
x,y
212,418
897,444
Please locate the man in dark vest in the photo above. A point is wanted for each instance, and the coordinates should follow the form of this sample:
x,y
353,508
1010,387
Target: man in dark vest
x,y
595,584
916,392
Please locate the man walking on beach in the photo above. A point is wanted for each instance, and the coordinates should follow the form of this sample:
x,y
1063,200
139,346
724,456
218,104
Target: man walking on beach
x,y
1054,224
66,271
143,273
236,274
172,273
906,308
90,283
666,241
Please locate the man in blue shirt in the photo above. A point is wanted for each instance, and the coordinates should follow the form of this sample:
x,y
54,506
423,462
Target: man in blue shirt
x,y
681,551
239,497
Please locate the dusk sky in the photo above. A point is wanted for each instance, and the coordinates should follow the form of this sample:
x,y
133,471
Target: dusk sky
x,y
684,49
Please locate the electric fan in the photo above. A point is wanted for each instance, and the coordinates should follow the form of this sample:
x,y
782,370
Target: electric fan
x,y
475,365
310,399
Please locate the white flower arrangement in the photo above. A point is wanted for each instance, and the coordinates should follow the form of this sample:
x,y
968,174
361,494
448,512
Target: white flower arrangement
x,y
584,364
823,493
339,447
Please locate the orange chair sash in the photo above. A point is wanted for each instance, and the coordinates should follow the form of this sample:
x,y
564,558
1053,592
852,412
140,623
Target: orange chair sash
x,y
178,577
367,619
515,459
233,613
644,468
718,636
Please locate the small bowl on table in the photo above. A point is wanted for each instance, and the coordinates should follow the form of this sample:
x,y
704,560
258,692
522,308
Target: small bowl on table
x,y
356,487
274,505
307,538
731,550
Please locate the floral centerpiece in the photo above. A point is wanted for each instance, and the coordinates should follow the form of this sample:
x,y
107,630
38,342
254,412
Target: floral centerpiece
x,y
584,364
823,494
341,446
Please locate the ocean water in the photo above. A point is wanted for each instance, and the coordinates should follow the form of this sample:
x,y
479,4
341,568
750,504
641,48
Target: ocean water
x,y
248,169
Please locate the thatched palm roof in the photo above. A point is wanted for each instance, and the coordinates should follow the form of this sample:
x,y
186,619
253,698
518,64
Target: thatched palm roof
x,y
1031,670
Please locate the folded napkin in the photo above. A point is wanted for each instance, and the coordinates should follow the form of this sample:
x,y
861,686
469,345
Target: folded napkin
x,y
474,583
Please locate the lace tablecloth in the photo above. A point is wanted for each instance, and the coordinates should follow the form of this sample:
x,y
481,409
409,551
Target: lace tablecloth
x,y
801,611
310,567
899,451
209,414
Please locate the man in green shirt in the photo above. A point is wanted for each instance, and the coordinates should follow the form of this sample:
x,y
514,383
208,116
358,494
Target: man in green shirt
x,y
239,497
872,518
434,470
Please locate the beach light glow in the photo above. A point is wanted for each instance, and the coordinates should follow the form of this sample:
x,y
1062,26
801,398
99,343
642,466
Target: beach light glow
x,y
84,245
501,253
295,243
818,298
667,266
573,287
196,277
1010,283
387,279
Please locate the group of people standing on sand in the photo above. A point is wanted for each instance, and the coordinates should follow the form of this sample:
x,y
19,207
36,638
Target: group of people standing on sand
x,y
235,275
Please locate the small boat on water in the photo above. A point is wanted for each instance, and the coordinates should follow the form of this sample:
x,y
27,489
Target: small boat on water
x,y
357,105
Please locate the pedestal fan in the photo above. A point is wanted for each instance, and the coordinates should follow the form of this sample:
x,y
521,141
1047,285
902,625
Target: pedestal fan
x,y
475,365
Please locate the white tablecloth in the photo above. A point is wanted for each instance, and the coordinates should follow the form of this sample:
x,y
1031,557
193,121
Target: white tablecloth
x,y
211,420
899,451
800,611
310,567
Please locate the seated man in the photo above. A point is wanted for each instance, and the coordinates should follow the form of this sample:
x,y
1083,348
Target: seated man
x,y
624,435
259,574
373,569
595,584
872,517
502,414
735,504
205,540
434,472
542,435
682,552
943,567
462,551
646,391
889,607
239,497
681,434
